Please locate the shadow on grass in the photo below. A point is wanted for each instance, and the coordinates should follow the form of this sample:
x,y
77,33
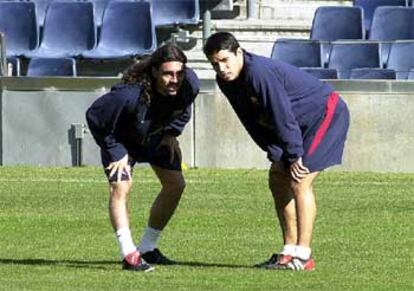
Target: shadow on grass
x,y
66,263
102,264
211,265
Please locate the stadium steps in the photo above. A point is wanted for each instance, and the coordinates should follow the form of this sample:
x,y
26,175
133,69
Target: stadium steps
x,y
276,19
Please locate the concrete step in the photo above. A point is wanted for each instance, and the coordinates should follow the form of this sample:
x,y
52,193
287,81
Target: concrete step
x,y
276,19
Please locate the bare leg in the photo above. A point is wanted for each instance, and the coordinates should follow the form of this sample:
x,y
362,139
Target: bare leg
x,y
305,208
118,204
163,208
295,205
279,184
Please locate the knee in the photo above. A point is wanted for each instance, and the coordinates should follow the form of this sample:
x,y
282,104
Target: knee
x,y
300,188
120,190
175,187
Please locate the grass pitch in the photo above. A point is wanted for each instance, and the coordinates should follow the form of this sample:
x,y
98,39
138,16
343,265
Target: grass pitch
x,y
55,232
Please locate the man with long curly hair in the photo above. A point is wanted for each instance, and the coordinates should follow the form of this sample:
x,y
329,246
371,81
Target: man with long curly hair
x,y
139,121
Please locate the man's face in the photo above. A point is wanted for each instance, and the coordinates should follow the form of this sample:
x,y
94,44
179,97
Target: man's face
x,y
169,78
227,64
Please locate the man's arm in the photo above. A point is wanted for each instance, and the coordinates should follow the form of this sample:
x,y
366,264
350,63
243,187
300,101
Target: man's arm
x,y
102,118
276,104
191,88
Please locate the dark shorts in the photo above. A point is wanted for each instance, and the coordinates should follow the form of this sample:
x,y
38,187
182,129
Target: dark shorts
x,y
144,154
324,142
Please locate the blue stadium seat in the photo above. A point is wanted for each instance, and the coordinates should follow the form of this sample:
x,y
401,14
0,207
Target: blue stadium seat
x,y
322,73
298,52
127,31
333,23
372,73
345,56
392,23
15,63
401,58
51,67
18,23
369,7
175,12
411,74
69,30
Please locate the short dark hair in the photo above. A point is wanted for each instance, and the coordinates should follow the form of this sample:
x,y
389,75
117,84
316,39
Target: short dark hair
x,y
220,41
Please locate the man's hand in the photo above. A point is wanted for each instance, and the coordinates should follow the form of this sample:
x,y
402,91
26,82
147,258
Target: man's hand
x,y
298,170
119,167
172,145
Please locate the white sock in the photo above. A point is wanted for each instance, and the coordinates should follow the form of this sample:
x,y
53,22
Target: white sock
x,y
303,253
149,240
288,250
126,245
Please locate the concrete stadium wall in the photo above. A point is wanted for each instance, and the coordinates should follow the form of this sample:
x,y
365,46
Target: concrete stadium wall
x,y
37,113
380,139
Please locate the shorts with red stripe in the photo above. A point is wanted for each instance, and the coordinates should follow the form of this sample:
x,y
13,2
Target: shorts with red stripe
x,y
324,143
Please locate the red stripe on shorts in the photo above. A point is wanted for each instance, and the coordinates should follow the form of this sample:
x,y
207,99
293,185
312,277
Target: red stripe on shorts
x,y
323,128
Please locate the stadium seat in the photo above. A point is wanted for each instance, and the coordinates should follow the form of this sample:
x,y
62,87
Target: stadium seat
x,y
345,56
332,23
369,7
18,23
392,23
401,58
15,66
411,75
133,36
178,12
372,73
298,52
69,29
322,73
51,67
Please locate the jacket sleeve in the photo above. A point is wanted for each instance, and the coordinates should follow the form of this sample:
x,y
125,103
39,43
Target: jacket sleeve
x,y
102,118
191,90
176,126
277,106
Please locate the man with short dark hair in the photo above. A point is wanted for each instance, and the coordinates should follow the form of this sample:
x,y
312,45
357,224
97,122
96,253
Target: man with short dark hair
x,y
138,121
298,120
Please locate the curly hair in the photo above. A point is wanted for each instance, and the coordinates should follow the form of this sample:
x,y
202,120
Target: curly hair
x,y
140,72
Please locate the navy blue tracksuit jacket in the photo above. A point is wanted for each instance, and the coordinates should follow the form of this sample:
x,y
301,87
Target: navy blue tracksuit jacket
x,y
120,120
277,103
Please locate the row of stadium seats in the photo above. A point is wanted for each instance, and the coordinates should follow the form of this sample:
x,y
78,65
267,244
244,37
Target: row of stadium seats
x,y
348,60
359,73
47,67
346,55
339,43
69,29
388,23
165,12
369,7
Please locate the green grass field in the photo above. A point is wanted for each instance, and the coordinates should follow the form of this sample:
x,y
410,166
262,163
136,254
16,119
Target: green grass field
x,y
55,232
